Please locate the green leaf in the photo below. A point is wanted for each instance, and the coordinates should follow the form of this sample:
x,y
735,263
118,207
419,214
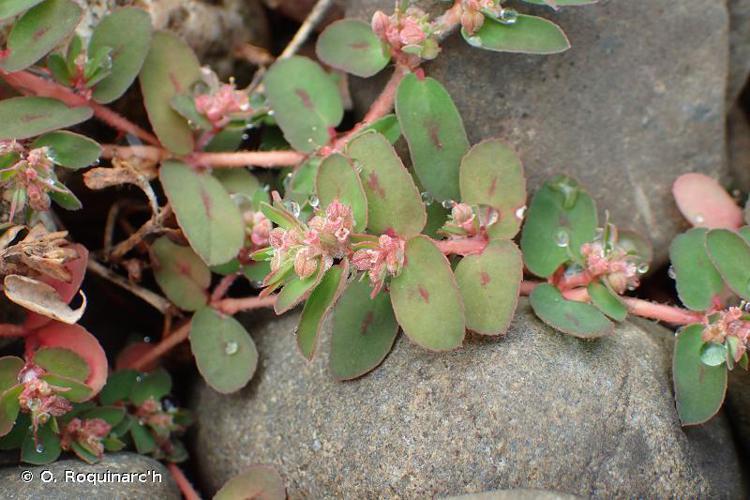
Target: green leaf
x,y
426,299
113,444
10,8
713,354
316,308
10,366
260,482
698,281
492,174
435,133
364,330
46,451
238,181
388,126
229,138
730,253
38,31
170,69
561,206
24,117
181,274
58,66
64,362
351,46
123,427
489,284
305,100
210,219
9,408
76,391
14,439
119,386
607,301
113,415
574,318
65,197
699,389
142,439
69,150
297,290
338,180
393,201
83,453
128,33
224,352
527,35
153,385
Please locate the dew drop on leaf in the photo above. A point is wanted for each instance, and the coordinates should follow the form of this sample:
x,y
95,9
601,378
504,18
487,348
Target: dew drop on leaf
x,y
231,348
562,238
643,268
427,198
39,448
521,212
448,204
314,201
671,272
698,219
508,16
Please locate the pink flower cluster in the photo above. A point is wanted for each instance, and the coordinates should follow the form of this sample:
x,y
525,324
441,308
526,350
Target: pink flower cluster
x,y
86,433
408,33
33,173
729,324
40,399
472,17
259,226
616,266
386,259
221,104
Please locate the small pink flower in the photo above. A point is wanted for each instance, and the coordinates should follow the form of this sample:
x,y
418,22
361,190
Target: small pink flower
x,y
380,24
411,32
261,229
618,269
387,259
219,105
87,433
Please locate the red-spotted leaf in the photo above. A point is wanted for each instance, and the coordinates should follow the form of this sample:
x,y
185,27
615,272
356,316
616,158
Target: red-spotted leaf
x,y
10,8
364,330
259,482
607,301
63,362
426,298
68,149
296,290
9,408
489,284
225,354
338,180
316,308
730,254
38,31
181,274
169,70
526,35
699,389
435,133
9,368
393,201
351,46
492,174
210,219
704,203
305,100
128,33
698,281
574,318
25,117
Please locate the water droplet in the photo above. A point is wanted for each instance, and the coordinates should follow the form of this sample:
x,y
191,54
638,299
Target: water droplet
x,y
293,208
448,204
562,238
521,212
314,201
427,198
508,16
287,182
231,348
245,137
139,379
475,41
745,306
698,219
671,272
39,448
358,167
295,331
643,268
147,339
271,112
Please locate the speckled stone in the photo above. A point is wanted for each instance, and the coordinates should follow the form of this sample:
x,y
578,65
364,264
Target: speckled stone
x,y
518,494
58,488
536,409
638,100
739,47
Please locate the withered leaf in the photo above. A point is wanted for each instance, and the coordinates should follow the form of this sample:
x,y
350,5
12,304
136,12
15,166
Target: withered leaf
x,y
41,298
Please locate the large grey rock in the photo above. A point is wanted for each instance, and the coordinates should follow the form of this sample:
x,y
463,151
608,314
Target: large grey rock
x,y
71,478
738,146
517,494
739,47
536,409
637,101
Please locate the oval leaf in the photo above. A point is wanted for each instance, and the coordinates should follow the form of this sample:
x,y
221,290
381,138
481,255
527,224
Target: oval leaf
x,y
704,203
69,150
9,408
61,361
43,449
154,385
41,298
492,174
730,253
119,386
181,274
169,69
223,350
259,482
10,8
489,285
305,100
435,133
297,290
210,219
9,368
574,318
24,117
338,180
351,46
393,201
426,299
697,280
607,301
527,35
699,389
317,306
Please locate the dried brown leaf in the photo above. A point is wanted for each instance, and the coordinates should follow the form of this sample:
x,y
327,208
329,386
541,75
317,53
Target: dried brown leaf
x,y
41,298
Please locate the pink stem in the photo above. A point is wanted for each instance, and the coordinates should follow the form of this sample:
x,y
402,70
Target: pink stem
x,y
183,483
166,345
151,153
463,246
223,287
233,306
267,159
11,330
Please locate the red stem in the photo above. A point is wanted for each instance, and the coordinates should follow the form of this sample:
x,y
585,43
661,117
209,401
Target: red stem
x,y
223,287
233,306
462,246
11,330
183,483
248,159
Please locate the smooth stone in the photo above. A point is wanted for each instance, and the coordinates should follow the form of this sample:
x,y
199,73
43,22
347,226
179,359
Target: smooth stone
x,y
535,409
638,100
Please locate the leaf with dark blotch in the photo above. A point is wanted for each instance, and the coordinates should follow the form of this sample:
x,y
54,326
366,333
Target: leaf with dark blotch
x,y
393,200
9,408
9,368
607,301
697,280
527,35
259,482
699,389
305,100
170,69
730,254
559,208
181,274
68,149
209,218
25,117
435,133
574,318
224,352
338,180
10,8
351,46
489,284
40,298
61,361
43,450
426,299
316,308
296,290
153,385
492,175
38,31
